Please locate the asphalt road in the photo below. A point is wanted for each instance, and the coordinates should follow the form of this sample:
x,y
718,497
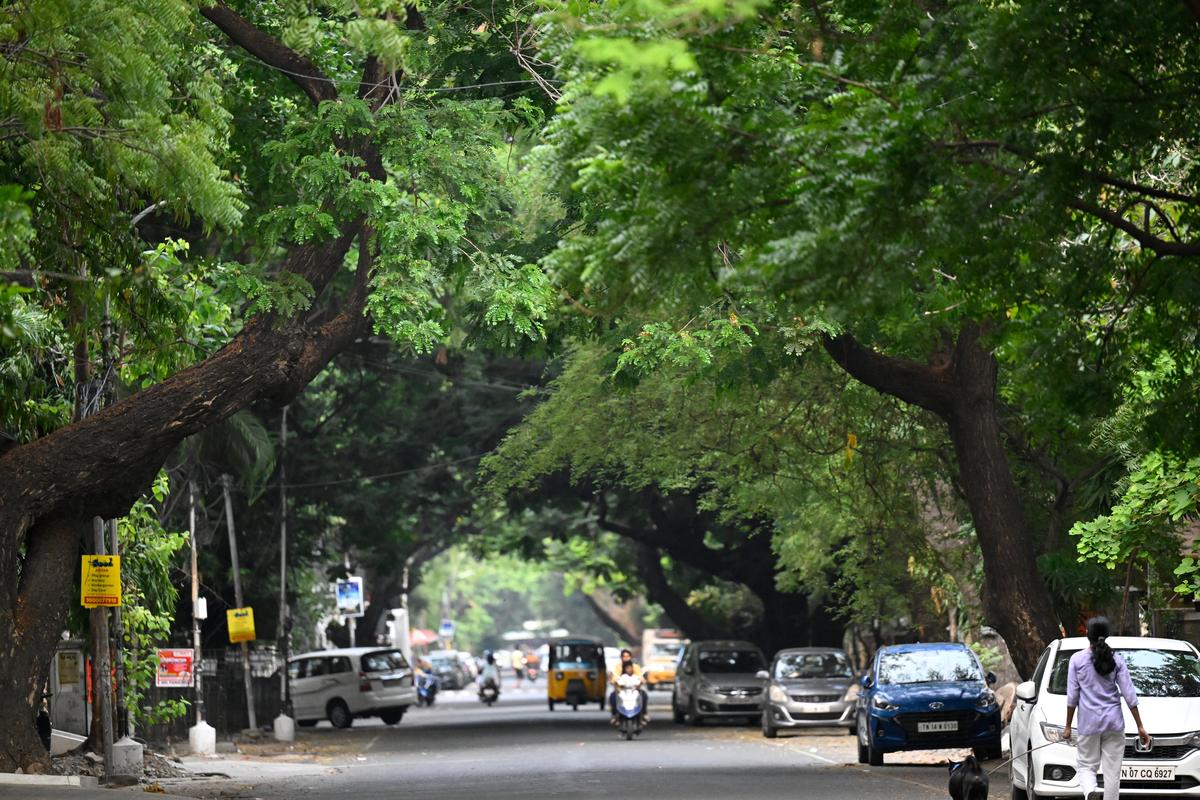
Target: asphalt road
x,y
517,748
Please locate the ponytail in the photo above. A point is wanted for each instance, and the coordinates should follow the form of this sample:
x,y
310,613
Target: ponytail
x,y
1102,655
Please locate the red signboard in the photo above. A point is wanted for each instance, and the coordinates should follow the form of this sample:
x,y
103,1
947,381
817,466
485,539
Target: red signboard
x,y
175,667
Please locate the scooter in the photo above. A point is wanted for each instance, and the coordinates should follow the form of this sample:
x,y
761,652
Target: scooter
x,y
427,689
629,712
489,692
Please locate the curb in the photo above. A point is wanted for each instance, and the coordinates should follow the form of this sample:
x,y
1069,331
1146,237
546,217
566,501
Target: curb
x,y
20,779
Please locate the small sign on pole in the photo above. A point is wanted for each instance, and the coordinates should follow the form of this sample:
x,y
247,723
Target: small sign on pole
x,y
175,667
446,631
100,581
350,601
241,624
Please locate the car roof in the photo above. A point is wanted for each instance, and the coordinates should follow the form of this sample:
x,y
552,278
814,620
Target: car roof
x,y
344,651
917,647
787,651
1128,642
725,644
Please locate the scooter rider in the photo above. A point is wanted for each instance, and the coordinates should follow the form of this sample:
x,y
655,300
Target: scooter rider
x,y
626,670
490,673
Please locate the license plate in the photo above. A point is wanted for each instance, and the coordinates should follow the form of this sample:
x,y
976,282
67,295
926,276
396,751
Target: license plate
x,y
946,726
1135,772
817,708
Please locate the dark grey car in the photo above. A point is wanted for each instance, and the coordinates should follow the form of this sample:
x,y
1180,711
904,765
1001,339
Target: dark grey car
x,y
808,689
718,678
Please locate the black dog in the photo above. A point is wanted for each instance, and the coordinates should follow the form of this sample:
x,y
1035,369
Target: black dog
x,y
968,781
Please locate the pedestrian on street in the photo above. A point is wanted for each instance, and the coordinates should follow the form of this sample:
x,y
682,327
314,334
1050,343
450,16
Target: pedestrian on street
x,y
518,664
1097,680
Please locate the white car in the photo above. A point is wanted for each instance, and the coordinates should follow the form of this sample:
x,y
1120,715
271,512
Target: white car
x,y
1166,674
350,682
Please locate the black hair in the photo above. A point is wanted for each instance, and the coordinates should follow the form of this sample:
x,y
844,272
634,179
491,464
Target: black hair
x,y
1102,655
627,650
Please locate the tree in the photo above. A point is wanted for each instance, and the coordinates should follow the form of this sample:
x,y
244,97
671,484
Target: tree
x,y
365,205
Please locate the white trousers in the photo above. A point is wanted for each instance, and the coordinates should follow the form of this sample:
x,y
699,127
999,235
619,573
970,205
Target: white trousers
x,y
1104,751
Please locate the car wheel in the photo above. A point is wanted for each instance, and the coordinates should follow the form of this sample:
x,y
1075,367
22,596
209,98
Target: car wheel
x,y
1017,794
693,716
769,730
339,715
551,704
391,716
861,731
676,715
868,753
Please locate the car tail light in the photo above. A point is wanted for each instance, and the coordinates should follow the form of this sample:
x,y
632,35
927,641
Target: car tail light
x,y
364,683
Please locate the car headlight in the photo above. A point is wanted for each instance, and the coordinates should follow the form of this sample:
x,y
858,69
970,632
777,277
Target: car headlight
x,y
883,704
1194,739
777,694
1053,733
986,700
706,687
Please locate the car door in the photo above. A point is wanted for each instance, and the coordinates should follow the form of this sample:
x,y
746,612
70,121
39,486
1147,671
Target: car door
x,y
1022,719
301,689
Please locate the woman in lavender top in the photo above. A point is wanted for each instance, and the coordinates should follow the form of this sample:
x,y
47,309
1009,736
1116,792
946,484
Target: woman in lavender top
x,y
1097,679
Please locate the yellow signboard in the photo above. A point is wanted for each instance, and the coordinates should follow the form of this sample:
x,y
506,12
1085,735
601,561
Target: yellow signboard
x,y
100,581
241,624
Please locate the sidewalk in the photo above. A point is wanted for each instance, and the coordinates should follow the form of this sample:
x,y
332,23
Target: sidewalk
x,y
76,793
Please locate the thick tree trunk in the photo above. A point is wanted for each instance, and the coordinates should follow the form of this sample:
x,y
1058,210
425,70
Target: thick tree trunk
x,y
659,589
961,389
615,616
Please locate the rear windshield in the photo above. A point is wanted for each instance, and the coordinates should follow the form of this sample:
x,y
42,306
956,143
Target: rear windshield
x,y
384,661
928,666
726,661
1155,673
798,666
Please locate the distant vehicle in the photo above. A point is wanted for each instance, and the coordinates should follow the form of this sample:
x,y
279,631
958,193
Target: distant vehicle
x,y
661,648
427,689
575,673
924,697
808,689
719,678
489,692
449,668
1166,675
469,664
340,685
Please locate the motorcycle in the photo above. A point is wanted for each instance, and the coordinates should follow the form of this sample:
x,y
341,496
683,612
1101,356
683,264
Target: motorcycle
x,y
630,712
531,672
489,692
427,689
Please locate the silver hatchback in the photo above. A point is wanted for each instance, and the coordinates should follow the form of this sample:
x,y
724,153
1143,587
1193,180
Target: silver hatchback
x,y
718,679
809,688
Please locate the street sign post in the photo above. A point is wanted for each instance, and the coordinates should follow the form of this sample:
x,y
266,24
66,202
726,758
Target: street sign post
x,y
446,631
175,667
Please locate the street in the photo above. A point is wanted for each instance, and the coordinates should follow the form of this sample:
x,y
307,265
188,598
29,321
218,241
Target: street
x,y
517,748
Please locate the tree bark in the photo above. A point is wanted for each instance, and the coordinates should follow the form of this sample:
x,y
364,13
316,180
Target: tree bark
x,y
961,389
615,616
659,589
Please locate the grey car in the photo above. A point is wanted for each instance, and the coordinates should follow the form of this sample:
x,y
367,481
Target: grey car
x,y
719,678
808,688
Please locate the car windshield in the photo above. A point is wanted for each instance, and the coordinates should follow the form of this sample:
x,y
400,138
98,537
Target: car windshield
x,y
798,666
726,661
928,666
667,650
1155,673
384,661
576,656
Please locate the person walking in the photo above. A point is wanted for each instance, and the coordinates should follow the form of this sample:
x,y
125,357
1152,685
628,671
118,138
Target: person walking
x,y
1097,680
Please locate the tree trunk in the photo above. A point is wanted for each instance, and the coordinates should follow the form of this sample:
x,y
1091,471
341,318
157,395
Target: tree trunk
x,y
616,616
692,624
961,389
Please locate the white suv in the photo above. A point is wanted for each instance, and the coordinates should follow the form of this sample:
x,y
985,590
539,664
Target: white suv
x,y
340,685
1166,674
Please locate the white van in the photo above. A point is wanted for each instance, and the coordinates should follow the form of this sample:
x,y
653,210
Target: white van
x,y
350,682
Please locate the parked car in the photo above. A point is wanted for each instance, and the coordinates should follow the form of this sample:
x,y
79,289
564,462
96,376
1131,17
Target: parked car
x,y
1166,674
923,697
808,688
718,679
449,669
340,685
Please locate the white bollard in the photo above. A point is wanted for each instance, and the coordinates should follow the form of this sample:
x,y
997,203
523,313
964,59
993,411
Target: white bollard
x,y
202,739
128,758
285,729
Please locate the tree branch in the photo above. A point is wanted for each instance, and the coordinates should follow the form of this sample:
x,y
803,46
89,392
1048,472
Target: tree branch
x,y
1143,237
918,384
271,52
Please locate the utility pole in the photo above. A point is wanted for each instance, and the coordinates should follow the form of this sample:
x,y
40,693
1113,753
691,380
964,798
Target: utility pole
x,y
102,674
285,726
351,621
247,678
202,737
118,636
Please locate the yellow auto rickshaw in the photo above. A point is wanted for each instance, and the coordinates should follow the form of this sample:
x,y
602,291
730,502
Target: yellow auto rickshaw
x,y
575,673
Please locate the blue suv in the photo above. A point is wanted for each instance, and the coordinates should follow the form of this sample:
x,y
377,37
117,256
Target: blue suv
x,y
926,696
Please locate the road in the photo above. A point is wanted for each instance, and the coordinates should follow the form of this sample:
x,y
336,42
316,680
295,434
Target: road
x,y
517,748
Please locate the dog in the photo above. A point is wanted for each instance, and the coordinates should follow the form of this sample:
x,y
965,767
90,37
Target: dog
x,y
968,781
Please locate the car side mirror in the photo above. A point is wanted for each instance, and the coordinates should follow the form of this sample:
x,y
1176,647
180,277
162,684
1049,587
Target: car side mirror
x,y
763,675
866,682
1027,691
990,678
